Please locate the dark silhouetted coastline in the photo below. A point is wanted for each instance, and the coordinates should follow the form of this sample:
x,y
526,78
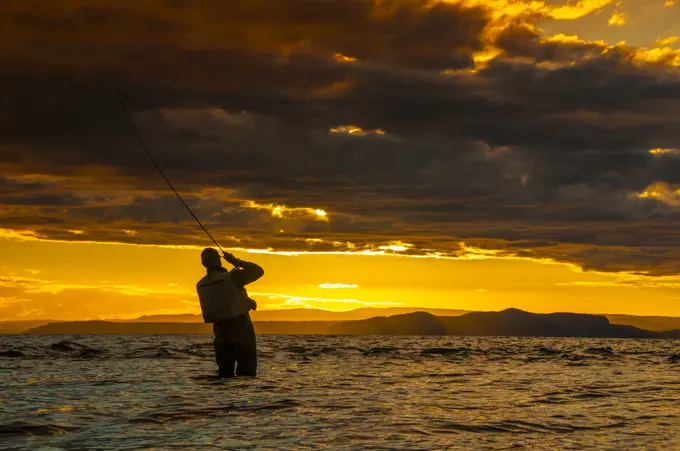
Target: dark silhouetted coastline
x,y
510,322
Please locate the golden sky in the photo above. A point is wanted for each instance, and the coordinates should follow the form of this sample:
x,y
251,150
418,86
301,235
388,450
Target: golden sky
x,y
459,154
75,281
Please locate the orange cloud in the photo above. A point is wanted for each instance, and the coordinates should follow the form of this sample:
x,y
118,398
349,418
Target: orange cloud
x,y
343,59
660,55
618,19
330,304
396,246
33,285
338,285
504,14
356,131
664,151
661,191
283,212
640,55
667,41
512,9
571,39
577,10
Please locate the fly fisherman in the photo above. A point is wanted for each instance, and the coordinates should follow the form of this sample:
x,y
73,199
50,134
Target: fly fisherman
x,y
225,304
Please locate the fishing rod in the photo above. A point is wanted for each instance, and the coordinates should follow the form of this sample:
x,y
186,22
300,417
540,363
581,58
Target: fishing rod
x,y
155,163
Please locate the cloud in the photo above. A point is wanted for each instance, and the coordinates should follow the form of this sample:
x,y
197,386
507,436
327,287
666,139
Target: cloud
x,y
618,19
667,41
629,281
44,298
34,285
355,131
664,151
281,211
446,123
8,301
338,285
275,301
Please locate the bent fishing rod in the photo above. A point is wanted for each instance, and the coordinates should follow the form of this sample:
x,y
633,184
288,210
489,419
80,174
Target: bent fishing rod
x,y
155,163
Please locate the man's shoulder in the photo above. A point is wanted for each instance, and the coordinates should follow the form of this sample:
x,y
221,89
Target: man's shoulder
x,y
202,280
212,276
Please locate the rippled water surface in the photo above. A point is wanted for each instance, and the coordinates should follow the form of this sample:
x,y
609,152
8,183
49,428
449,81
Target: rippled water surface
x,y
153,392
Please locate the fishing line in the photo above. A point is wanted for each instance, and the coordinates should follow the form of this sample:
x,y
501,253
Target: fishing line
x,y
155,163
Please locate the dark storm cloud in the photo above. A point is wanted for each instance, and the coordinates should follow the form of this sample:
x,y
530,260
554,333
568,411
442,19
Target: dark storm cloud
x,y
407,32
522,40
539,154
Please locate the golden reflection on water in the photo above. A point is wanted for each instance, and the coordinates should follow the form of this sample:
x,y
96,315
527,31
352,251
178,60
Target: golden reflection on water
x,y
56,409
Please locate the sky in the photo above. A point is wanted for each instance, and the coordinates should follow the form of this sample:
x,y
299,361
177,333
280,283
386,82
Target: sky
x,y
458,154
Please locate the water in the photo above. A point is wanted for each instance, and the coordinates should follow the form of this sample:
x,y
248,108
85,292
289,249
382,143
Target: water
x,y
320,392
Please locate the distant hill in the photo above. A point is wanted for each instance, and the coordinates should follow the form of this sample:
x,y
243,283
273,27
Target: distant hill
x,y
115,328
657,323
510,322
305,316
185,318
17,327
299,314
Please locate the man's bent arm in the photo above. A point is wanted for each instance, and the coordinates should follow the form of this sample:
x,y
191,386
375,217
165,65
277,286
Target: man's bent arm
x,y
246,273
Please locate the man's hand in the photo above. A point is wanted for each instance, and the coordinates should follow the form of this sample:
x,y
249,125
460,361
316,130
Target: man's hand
x,y
230,258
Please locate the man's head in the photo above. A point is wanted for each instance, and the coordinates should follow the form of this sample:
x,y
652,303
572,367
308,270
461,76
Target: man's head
x,y
210,258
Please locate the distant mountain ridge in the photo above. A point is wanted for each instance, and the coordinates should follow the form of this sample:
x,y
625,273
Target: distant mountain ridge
x,y
510,322
110,328
17,327
654,323
300,314
296,315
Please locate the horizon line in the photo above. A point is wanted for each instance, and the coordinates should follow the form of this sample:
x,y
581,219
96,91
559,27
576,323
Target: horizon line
x,y
414,310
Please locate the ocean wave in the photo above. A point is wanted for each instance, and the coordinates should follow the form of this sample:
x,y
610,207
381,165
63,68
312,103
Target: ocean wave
x,y
158,352
166,415
143,347
77,350
447,351
12,353
518,427
601,351
22,428
380,351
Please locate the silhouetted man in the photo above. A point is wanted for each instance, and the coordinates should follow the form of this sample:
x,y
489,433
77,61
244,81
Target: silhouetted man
x,y
235,345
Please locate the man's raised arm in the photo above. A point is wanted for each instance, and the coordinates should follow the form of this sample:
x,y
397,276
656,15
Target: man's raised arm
x,y
244,272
